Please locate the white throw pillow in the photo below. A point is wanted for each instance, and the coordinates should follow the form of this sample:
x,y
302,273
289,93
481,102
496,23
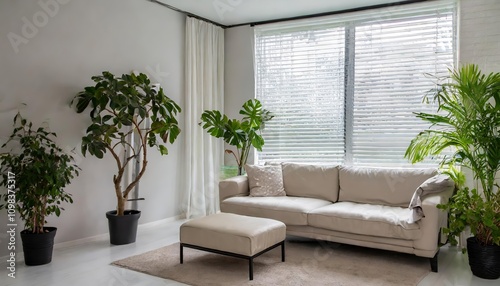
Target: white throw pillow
x,y
265,181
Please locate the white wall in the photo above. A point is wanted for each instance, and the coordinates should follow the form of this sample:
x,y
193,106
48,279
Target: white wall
x,y
239,84
479,34
81,38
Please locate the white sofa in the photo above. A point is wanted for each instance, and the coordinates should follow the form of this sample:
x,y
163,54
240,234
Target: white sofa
x,y
360,206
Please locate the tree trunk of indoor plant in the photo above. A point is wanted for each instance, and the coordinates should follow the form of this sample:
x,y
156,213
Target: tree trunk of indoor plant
x,y
123,229
38,247
240,170
484,260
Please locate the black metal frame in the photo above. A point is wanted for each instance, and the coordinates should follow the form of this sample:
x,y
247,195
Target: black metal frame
x,y
249,258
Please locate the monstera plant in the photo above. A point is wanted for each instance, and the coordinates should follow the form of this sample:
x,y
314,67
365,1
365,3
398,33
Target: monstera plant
x,y
121,108
242,134
468,119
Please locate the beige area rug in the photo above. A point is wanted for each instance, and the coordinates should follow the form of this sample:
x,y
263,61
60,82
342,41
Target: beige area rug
x,y
307,263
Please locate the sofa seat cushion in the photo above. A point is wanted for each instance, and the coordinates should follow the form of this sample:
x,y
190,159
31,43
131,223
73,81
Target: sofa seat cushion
x,y
289,210
365,219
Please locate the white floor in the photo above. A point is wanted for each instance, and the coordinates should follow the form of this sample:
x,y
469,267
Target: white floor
x,y
89,264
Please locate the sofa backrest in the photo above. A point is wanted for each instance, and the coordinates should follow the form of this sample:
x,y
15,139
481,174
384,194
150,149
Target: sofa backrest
x,y
392,187
311,181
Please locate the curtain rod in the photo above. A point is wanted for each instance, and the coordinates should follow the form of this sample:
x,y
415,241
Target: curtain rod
x,y
330,13
289,18
187,13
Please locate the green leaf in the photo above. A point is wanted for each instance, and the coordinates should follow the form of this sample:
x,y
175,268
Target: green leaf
x,y
258,142
214,123
252,111
163,149
106,118
174,133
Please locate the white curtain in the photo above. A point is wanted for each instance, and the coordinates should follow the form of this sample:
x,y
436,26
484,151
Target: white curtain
x,y
204,87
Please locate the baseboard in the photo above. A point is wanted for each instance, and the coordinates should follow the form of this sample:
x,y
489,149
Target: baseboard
x,y
159,222
105,236
99,237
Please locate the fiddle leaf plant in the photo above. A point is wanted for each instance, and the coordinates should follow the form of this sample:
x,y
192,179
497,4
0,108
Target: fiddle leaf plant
x,y
35,173
468,120
121,108
242,134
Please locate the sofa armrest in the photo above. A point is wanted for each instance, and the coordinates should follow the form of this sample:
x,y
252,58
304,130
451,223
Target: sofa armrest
x,y
435,219
232,187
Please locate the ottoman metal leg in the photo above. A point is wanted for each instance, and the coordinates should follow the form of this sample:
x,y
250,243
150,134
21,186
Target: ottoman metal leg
x,y
181,252
283,251
250,268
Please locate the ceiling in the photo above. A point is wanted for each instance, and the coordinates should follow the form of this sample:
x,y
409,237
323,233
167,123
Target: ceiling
x,y
233,12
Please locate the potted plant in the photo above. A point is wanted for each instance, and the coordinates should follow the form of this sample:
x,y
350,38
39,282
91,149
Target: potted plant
x,y
468,119
241,134
120,108
35,173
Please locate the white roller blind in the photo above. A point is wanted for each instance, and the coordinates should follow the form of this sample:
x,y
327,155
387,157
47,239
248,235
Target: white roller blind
x,y
344,88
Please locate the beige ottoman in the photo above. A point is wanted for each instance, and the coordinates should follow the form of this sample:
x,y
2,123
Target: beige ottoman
x,y
234,235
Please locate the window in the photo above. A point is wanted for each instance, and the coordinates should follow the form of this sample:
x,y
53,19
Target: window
x,y
344,88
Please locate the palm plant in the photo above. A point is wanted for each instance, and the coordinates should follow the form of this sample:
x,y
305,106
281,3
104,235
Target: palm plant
x,y
242,134
468,120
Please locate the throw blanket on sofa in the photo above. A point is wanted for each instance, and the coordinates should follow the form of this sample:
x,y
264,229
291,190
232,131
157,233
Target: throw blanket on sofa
x,y
436,184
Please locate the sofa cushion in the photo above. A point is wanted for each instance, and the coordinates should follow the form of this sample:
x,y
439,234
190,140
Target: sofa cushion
x,y
391,187
365,219
265,181
311,181
289,210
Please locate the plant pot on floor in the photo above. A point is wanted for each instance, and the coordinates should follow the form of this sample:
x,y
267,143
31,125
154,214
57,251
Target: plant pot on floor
x,y
38,247
484,260
123,229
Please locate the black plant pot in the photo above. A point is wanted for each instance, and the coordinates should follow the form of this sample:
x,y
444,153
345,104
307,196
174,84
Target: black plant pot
x,y
38,247
123,229
484,260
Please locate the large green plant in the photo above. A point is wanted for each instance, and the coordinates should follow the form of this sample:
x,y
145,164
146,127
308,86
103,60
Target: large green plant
x,y
118,108
468,119
241,134
35,173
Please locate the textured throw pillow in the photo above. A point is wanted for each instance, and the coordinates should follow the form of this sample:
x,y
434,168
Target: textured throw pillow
x,y
265,181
